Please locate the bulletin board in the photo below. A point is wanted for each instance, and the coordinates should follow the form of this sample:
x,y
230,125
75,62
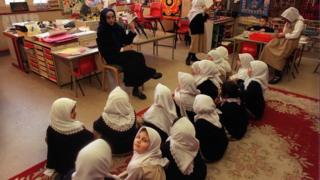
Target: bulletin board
x,y
171,7
254,7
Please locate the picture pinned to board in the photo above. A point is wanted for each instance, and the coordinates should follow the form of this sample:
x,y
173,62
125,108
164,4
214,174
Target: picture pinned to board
x,y
254,7
171,7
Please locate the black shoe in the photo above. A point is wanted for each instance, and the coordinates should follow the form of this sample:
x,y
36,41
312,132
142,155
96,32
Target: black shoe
x,y
156,75
138,94
188,60
194,58
275,80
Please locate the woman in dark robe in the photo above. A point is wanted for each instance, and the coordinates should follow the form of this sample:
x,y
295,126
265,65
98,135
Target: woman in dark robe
x,y
111,38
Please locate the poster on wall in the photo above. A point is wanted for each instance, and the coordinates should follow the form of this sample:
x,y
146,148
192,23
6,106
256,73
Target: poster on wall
x,y
254,7
171,7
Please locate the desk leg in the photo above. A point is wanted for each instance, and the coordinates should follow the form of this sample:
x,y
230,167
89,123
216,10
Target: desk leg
x,y
173,47
73,79
234,53
303,45
157,50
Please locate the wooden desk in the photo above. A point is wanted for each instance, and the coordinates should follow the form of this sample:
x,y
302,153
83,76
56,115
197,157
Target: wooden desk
x,y
70,60
244,38
159,35
17,52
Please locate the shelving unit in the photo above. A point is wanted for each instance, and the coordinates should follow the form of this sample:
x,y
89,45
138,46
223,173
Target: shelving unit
x,y
41,61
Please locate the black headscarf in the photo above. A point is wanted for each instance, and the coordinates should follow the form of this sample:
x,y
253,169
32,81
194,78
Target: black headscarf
x,y
104,28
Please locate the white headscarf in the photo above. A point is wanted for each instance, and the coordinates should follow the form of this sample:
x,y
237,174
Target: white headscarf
x,y
197,8
292,14
163,111
260,74
220,57
204,70
94,161
152,156
186,92
245,60
224,52
205,108
118,113
60,115
184,146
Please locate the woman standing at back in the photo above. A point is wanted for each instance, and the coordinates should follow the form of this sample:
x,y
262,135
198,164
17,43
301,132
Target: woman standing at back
x,y
197,18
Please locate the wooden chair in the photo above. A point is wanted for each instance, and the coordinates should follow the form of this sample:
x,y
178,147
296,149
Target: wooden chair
x,y
114,69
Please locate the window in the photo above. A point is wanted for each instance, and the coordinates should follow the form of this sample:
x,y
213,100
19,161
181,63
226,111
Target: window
x,y
9,1
40,1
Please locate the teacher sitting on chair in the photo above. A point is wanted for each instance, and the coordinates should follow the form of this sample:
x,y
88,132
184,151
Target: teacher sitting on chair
x,y
279,49
111,38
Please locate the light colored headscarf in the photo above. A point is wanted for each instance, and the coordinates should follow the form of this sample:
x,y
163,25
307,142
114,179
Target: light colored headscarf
x,y
118,113
205,108
204,70
184,145
224,52
163,111
60,115
245,60
152,156
260,73
197,8
94,161
186,92
292,14
220,57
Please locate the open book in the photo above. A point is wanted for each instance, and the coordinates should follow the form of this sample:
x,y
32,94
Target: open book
x,y
131,17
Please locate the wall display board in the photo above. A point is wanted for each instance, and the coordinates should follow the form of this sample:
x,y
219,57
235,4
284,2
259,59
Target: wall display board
x,y
254,7
171,7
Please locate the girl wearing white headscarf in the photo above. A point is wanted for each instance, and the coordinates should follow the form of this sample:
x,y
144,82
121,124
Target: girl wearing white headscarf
x,y
185,93
94,161
207,77
197,18
219,57
182,150
162,112
147,162
254,88
117,124
276,52
244,63
65,137
209,130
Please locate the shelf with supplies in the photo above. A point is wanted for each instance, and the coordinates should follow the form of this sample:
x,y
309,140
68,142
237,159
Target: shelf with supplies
x,y
217,30
41,62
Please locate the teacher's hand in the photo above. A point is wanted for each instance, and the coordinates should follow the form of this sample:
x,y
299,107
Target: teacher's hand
x,y
280,35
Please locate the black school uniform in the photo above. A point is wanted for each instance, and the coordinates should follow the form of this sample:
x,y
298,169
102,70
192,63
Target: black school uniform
x,y
121,142
174,173
234,118
213,140
208,88
63,149
254,100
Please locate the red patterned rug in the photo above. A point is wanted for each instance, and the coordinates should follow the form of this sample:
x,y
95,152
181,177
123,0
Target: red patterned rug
x,y
284,145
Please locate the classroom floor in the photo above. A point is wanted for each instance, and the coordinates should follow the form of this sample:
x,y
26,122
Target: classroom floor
x,y
25,101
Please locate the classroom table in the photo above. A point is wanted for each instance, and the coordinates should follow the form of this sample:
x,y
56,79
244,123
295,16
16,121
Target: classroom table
x,y
70,59
154,38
